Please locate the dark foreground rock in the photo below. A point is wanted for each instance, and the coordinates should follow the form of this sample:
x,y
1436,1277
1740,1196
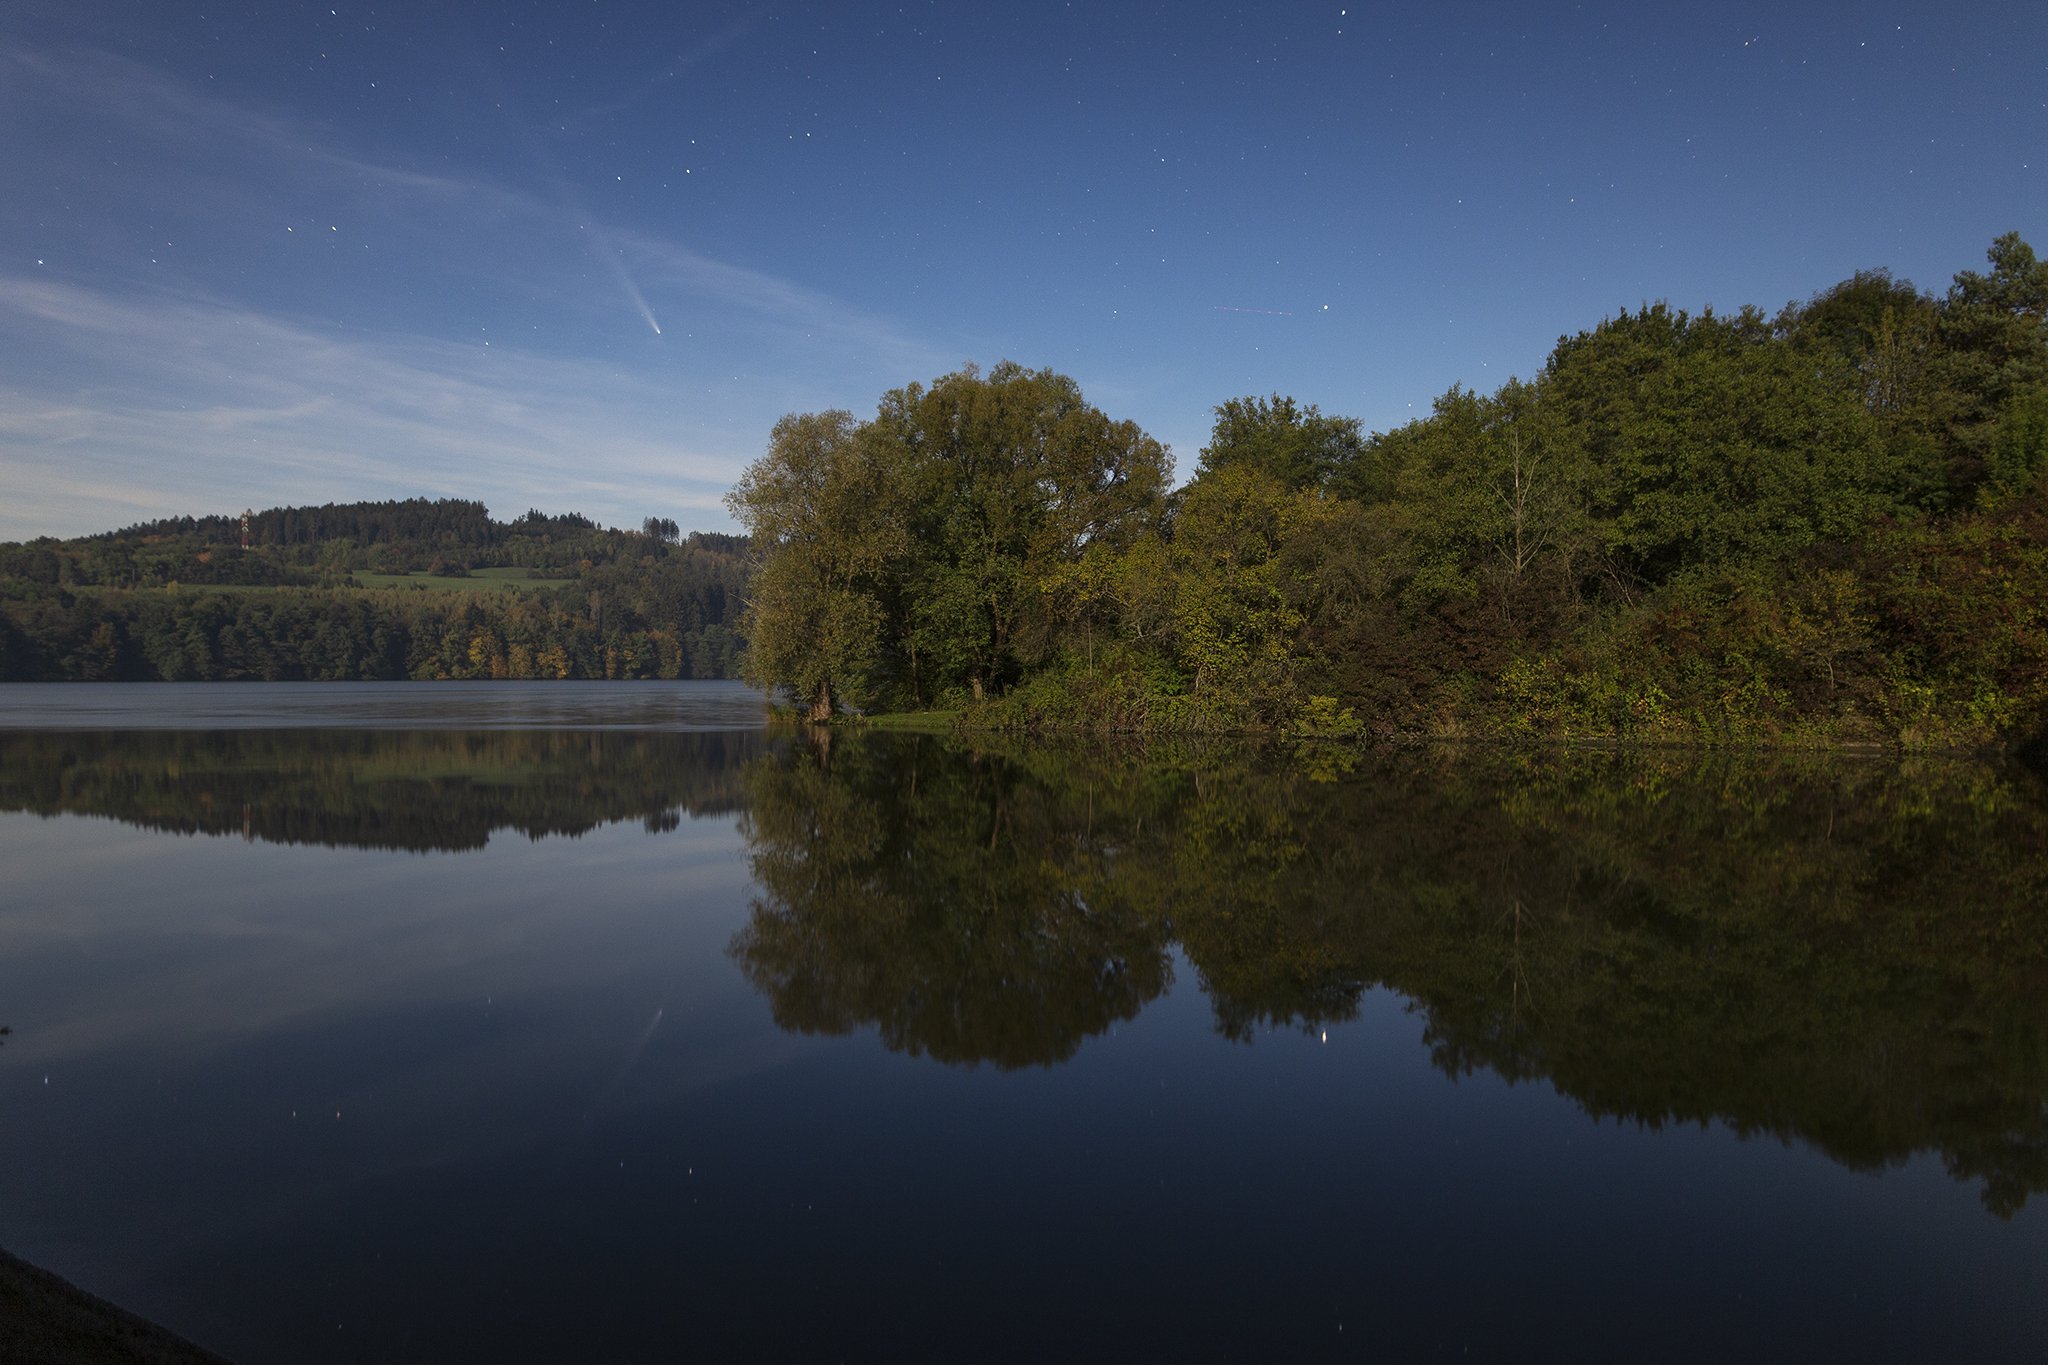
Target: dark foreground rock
x,y
45,1320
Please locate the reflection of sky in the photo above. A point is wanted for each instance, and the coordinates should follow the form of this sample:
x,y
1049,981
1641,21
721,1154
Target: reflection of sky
x,y
521,1170
446,1007
124,939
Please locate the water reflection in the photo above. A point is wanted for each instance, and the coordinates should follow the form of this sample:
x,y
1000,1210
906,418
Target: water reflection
x,y
421,790
964,905
1848,955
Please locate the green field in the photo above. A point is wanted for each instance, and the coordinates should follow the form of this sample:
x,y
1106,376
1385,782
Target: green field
x,y
199,589
235,588
495,580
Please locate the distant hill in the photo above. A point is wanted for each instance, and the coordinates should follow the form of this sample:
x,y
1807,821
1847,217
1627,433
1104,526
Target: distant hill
x,y
341,591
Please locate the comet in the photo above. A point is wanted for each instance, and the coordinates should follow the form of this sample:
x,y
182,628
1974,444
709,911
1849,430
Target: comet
x,y
611,257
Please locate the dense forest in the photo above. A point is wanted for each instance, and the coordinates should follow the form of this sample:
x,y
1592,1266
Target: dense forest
x,y
413,589
1824,526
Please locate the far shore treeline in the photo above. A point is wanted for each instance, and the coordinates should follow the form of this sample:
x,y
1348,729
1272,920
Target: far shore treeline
x,y
1825,526
365,591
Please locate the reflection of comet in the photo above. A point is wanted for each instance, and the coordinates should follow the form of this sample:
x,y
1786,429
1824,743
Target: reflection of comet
x,y
633,1057
626,1069
1270,312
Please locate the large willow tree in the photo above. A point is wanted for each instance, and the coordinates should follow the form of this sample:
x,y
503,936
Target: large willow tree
x,y
913,558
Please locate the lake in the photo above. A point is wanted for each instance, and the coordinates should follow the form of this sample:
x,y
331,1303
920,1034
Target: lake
x,y
520,1022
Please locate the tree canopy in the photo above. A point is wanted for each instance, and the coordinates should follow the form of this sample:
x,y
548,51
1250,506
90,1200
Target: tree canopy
x,y
1298,446
923,554
1727,526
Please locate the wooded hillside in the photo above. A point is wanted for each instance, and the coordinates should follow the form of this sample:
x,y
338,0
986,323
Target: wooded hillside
x,y
413,589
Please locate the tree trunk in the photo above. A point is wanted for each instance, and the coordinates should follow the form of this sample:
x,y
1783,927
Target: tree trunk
x,y
821,705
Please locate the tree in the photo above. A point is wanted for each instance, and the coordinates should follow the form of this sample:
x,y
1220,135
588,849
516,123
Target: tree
x,y
825,509
1993,331
1486,489
1710,441
1298,446
1849,317
912,557
1220,594
1539,504
1995,326
2018,449
1014,476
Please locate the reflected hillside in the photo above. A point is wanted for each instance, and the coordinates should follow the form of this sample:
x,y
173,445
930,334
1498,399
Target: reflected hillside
x,y
1851,955
418,790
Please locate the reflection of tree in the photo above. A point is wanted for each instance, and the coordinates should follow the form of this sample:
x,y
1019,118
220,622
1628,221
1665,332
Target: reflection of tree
x,y
968,911
1245,849
1849,955
421,790
1852,956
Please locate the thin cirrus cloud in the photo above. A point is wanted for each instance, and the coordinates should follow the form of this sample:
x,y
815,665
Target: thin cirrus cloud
x,y
143,383
198,406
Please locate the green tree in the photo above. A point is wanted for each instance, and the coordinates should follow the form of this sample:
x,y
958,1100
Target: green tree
x,y
1994,330
1298,446
1885,330
1221,596
1848,318
1710,441
2018,449
825,509
1014,476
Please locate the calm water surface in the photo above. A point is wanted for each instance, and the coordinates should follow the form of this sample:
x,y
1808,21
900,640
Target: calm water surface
x,y
432,1023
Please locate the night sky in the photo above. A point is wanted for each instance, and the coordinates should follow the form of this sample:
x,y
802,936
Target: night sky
x,y
261,254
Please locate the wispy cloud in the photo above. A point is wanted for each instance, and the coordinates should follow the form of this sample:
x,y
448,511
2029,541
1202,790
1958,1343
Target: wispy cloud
x,y
173,386
194,406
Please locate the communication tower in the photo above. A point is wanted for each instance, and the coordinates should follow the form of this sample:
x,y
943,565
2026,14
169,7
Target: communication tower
x,y
245,528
